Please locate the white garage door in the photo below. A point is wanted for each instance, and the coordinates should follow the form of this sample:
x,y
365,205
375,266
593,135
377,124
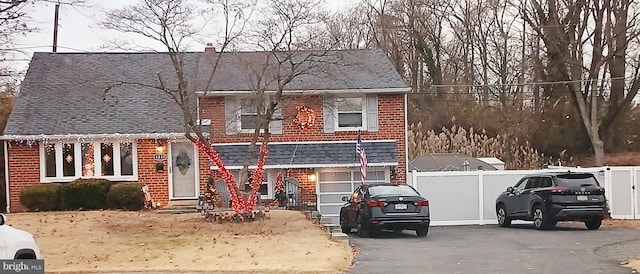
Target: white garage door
x,y
333,184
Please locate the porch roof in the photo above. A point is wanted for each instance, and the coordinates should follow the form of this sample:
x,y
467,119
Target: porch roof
x,y
312,154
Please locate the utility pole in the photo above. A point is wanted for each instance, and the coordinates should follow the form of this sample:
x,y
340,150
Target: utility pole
x,y
55,28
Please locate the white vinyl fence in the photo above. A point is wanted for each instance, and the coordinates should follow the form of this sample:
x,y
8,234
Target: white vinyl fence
x,y
468,197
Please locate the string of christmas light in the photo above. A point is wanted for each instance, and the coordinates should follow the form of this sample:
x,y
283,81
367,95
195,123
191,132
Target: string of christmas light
x,y
239,205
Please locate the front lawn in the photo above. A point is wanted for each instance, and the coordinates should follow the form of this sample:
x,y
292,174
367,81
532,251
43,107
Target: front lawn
x,y
81,241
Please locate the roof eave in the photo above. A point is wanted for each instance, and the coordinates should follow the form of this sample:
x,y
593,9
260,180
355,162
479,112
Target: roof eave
x,y
56,137
308,92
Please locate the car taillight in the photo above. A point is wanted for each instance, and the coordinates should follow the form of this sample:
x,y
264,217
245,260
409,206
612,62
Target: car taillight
x,y
422,203
373,203
558,189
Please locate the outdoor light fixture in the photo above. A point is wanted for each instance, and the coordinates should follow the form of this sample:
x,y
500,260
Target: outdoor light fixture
x,y
159,149
312,175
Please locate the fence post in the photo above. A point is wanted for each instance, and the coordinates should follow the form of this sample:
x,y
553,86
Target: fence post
x,y
481,197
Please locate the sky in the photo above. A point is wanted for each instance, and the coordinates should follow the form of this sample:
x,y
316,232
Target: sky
x,y
79,30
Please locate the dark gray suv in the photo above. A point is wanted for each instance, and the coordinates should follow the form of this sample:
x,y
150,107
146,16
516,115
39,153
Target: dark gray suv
x,y
546,198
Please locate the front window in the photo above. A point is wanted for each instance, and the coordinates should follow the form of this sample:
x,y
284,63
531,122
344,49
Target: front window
x,y
68,165
50,160
350,113
265,189
248,114
63,162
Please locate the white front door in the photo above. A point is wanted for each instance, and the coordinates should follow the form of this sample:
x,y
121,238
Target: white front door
x,y
183,171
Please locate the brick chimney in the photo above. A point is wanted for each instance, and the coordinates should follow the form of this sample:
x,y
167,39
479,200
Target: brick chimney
x,y
209,48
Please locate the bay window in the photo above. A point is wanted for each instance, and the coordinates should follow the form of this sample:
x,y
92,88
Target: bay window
x,y
63,162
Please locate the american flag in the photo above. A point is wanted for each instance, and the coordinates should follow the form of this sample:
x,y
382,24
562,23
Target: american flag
x,y
363,159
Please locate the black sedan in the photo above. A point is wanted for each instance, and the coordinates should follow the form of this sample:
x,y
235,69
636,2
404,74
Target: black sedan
x,y
372,208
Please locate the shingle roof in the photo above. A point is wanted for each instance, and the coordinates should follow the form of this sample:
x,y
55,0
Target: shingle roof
x,y
64,93
320,154
446,162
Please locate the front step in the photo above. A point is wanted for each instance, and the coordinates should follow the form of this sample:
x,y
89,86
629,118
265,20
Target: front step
x,y
179,207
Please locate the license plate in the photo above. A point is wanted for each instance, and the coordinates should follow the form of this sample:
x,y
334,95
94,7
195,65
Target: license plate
x,y
401,206
581,198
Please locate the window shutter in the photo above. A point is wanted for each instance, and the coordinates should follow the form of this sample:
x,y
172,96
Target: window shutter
x,y
372,113
328,119
231,115
275,126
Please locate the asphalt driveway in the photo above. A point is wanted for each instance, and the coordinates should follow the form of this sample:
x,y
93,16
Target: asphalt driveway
x,y
492,249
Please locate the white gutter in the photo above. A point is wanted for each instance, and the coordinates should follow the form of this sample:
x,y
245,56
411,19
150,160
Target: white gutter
x,y
213,167
6,175
317,91
305,142
42,137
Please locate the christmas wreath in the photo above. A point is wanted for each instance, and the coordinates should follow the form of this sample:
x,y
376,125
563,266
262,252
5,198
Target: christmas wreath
x,y
305,118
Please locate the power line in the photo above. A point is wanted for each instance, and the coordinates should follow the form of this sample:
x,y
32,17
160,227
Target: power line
x,y
523,84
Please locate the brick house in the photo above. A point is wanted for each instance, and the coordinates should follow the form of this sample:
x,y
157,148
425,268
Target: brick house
x,y
66,125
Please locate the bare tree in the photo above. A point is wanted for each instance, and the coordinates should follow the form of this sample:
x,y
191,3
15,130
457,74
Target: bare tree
x,y
287,26
586,45
170,22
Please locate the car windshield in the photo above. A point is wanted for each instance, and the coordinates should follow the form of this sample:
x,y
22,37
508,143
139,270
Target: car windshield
x,y
399,190
576,180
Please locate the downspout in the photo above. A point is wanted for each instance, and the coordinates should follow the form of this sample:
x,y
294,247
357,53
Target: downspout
x,y
406,138
6,175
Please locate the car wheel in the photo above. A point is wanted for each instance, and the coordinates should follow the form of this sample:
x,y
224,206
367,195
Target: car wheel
x,y
343,225
503,219
422,232
362,231
593,224
540,219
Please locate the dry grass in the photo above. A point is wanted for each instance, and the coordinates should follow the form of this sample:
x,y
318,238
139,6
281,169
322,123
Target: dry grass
x,y
112,241
612,159
472,143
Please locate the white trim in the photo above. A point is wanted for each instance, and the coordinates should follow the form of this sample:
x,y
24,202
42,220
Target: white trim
x,y
308,142
6,176
318,91
93,137
213,167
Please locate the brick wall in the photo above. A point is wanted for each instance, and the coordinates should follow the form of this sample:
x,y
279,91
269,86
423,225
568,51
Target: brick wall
x,y
158,181
24,170
391,122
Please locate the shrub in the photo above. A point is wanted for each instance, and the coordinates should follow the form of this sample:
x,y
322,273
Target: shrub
x,y
127,196
41,197
85,194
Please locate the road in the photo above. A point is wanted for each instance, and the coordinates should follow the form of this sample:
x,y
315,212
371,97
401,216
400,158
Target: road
x,y
492,249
